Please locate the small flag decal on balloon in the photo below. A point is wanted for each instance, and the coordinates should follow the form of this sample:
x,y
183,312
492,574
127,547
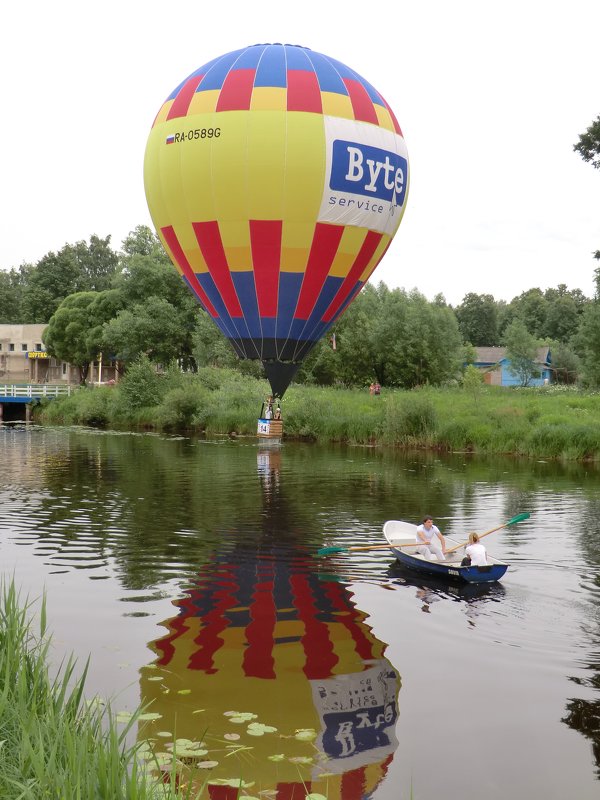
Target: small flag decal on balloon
x,y
171,138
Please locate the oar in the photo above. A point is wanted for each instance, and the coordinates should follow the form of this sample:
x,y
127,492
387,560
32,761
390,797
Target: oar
x,y
325,551
513,521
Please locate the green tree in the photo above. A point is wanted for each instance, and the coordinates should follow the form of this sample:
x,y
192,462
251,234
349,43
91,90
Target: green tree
x,y
565,362
473,382
477,317
588,145
158,315
75,268
521,350
588,148
142,241
12,284
68,335
562,318
152,328
587,345
531,307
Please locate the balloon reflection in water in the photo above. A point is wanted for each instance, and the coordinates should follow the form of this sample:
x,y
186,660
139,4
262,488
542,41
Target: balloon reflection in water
x,y
263,637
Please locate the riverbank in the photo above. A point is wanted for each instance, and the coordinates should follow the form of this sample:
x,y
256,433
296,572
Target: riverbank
x,y
548,422
54,743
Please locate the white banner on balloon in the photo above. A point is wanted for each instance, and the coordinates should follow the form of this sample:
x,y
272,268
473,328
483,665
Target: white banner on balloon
x,y
366,176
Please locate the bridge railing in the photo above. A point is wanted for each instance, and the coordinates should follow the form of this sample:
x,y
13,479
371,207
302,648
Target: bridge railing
x,y
36,390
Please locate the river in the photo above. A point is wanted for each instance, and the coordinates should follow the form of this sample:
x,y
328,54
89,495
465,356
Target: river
x,y
187,570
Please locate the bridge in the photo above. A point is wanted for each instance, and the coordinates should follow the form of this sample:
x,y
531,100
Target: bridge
x,y
14,398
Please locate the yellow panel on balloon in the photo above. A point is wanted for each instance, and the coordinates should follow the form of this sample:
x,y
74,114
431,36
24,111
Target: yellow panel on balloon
x,y
350,244
337,105
265,159
268,98
305,167
384,117
228,155
375,258
239,259
203,102
294,259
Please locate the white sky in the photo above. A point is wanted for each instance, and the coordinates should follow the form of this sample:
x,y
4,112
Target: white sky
x,y
490,96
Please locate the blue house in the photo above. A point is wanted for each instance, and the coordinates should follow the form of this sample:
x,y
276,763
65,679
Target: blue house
x,y
494,364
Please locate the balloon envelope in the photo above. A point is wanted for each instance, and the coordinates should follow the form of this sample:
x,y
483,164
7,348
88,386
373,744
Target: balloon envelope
x,y
276,178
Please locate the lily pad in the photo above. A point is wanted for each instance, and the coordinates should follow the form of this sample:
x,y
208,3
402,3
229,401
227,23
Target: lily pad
x,y
258,729
305,734
150,715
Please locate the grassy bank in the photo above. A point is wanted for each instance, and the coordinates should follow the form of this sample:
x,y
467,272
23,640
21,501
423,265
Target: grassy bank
x,y
52,743
548,422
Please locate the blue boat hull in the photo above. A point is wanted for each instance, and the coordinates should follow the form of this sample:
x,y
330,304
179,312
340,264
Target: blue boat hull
x,y
453,571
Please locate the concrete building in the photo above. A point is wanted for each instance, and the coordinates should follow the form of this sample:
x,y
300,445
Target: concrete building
x,y
24,359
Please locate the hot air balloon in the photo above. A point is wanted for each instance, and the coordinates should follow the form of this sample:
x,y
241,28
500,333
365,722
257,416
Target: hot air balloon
x,y
276,178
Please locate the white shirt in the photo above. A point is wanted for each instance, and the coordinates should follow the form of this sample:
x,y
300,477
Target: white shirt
x,y
476,553
428,534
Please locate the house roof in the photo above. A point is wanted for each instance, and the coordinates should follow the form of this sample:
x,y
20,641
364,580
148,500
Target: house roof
x,y
493,355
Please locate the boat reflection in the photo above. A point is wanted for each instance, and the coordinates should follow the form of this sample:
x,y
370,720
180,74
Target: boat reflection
x,y
430,589
276,672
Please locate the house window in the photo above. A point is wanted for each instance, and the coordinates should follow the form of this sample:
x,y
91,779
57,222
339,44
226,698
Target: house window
x,y
64,367
24,347
0,346
11,348
38,347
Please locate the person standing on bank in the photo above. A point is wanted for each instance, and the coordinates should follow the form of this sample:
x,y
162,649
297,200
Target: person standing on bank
x,y
430,540
475,553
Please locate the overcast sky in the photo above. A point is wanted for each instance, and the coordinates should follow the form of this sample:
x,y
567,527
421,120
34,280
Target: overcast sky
x,y
490,96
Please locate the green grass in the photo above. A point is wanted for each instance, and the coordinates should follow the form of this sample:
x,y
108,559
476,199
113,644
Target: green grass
x,y
53,744
548,422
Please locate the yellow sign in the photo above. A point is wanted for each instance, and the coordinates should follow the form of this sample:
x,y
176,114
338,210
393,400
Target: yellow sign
x,y
37,354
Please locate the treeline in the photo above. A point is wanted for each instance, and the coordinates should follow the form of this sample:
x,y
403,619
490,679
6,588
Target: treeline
x,y
132,302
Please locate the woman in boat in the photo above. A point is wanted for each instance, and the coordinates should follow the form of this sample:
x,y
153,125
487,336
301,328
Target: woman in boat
x,y
430,539
475,553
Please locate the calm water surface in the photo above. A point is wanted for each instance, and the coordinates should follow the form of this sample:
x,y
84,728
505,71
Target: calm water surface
x,y
187,570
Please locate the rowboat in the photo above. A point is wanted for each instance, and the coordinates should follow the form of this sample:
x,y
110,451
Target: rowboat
x,y
400,535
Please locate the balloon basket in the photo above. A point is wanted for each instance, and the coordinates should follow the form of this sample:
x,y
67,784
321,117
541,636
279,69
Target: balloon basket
x,y
270,429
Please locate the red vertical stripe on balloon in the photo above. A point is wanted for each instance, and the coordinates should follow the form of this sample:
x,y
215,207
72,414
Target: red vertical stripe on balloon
x,y
365,254
303,92
182,102
265,241
352,619
374,266
216,792
215,622
318,648
236,92
211,246
394,120
258,657
325,243
353,784
362,105
181,259
292,791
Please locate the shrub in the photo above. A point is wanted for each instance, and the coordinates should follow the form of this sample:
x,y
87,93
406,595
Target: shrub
x,y
141,386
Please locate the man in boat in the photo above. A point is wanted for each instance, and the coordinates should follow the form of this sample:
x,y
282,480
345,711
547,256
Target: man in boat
x,y
432,543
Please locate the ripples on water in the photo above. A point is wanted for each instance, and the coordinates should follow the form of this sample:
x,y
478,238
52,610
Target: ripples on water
x,y
181,563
